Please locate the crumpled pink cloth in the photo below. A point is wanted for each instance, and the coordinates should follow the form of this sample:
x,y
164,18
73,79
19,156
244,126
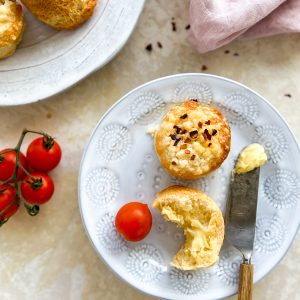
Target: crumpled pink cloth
x,y
215,23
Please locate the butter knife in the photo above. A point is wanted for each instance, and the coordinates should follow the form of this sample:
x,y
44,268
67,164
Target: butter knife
x,y
240,222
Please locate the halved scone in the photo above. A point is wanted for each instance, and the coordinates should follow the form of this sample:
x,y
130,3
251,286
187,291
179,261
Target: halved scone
x,y
61,14
12,26
192,140
202,221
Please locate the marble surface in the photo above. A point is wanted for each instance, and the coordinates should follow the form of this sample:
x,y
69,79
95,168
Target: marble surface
x,y
49,256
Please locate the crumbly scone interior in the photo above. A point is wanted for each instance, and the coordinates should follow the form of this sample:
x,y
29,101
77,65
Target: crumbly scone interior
x,y
203,226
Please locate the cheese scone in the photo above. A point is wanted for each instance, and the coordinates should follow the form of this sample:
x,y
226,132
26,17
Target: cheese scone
x,y
61,14
192,140
202,222
12,26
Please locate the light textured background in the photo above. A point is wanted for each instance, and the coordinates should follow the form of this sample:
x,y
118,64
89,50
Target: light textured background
x,y
49,256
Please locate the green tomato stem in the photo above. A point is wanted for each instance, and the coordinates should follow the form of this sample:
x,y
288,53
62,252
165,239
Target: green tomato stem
x,y
32,210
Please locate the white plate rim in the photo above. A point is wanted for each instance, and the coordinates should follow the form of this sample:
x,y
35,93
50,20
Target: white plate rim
x,y
69,84
203,75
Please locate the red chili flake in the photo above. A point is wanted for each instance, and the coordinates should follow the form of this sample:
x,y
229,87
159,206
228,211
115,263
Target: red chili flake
x,y
187,140
149,47
207,135
195,100
187,151
288,95
235,54
175,126
200,124
174,163
183,146
209,144
187,27
184,116
159,45
214,132
194,134
177,141
204,68
184,131
174,26
226,51
173,137
178,130
207,122
193,157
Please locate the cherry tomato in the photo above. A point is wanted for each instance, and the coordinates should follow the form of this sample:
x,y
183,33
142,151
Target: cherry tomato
x,y
43,154
37,191
7,196
8,164
134,221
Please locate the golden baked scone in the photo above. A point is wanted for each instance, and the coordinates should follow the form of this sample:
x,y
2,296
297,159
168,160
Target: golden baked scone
x,y
202,222
12,25
61,14
192,140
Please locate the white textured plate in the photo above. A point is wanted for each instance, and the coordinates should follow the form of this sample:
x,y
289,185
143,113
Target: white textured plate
x,y
120,165
49,61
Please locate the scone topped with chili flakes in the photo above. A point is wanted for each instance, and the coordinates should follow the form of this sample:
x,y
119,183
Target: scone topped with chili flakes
x,y
192,140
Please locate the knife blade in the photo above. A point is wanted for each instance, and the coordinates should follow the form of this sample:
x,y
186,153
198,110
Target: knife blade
x,y
240,220
241,208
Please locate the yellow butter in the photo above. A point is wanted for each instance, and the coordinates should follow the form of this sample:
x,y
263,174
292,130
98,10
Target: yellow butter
x,y
253,156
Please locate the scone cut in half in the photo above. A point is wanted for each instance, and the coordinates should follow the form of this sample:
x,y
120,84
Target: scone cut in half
x,y
202,221
12,26
192,140
61,14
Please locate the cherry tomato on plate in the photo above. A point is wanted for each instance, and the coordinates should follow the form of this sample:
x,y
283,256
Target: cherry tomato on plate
x,y
39,190
43,154
8,164
134,221
7,196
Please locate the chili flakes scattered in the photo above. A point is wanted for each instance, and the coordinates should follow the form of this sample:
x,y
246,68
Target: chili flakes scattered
x,y
184,116
194,134
173,137
149,47
187,151
214,132
177,141
193,157
207,122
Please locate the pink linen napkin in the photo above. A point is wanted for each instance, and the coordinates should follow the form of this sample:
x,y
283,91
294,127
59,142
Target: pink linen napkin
x,y
215,23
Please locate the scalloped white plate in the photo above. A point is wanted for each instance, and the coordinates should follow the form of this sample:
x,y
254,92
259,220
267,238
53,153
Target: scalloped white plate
x,y
49,61
119,165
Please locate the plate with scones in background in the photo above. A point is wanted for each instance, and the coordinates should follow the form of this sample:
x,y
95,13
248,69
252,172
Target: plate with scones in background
x,y
154,182
47,46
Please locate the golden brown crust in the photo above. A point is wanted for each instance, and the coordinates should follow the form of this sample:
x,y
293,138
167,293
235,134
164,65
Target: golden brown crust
x,y
61,14
192,140
12,26
201,220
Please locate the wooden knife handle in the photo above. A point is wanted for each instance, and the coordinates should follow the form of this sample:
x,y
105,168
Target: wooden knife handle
x,y
246,282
